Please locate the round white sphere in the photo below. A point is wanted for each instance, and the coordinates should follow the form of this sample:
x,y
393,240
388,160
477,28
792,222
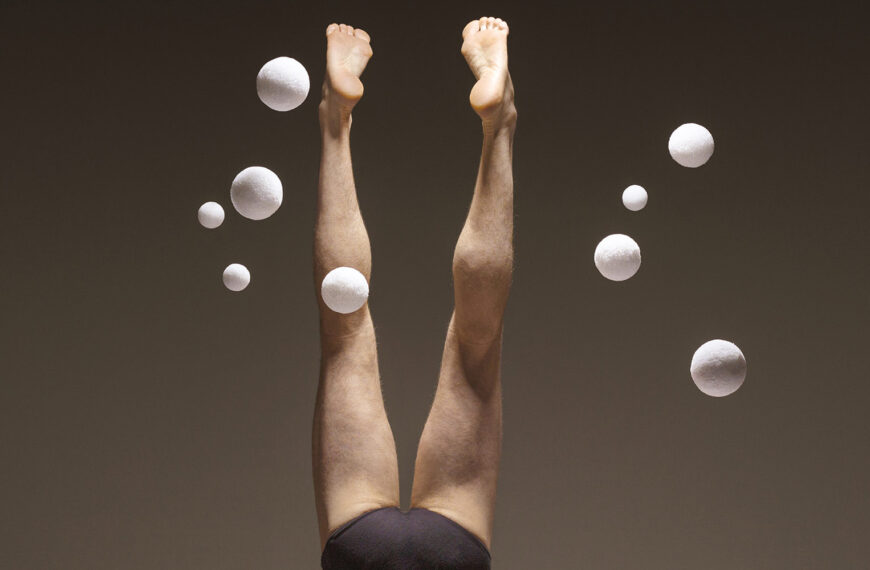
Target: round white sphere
x,y
256,193
283,84
617,257
691,145
344,290
718,368
634,197
236,277
210,215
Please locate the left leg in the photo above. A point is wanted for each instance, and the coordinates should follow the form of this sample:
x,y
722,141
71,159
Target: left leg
x,y
457,459
354,461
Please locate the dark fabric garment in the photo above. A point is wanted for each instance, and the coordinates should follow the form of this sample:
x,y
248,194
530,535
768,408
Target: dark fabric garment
x,y
388,539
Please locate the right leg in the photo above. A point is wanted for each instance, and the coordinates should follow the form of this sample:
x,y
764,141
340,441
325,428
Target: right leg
x,y
456,470
353,451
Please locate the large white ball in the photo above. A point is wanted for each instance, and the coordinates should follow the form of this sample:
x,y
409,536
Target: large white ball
x,y
718,368
691,145
617,257
210,215
236,277
344,290
256,193
634,197
283,84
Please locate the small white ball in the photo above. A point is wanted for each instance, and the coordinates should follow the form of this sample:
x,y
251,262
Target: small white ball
x,y
256,193
634,197
718,368
211,215
617,257
344,290
236,277
283,83
691,145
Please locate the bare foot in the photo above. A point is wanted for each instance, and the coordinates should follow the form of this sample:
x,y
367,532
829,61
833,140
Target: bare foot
x,y
347,52
485,50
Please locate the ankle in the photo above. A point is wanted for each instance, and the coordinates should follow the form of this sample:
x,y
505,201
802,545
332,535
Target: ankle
x,y
502,123
333,118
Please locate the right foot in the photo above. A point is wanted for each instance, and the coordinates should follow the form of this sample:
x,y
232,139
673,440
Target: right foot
x,y
347,52
485,50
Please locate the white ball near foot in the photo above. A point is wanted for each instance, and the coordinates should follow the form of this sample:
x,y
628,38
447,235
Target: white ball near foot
x,y
283,84
691,145
617,257
718,368
210,215
236,277
256,193
344,290
634,197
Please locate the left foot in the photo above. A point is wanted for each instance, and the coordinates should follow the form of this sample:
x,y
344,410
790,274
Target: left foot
x,y
485,50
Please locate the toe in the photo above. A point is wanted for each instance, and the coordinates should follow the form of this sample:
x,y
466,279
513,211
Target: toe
x,y
331,28
361,34
471,27
482,24
342,28
350,30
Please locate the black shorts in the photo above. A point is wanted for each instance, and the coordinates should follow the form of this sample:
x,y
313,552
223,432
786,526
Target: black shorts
x,y
388,539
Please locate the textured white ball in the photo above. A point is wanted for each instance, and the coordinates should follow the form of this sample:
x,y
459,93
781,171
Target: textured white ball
x,y
236,277
344,290
718,368
210,215
634,197
617,257
256,193
282,84
691,145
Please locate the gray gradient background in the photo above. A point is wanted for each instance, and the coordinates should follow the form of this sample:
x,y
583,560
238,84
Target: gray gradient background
x,y
151,419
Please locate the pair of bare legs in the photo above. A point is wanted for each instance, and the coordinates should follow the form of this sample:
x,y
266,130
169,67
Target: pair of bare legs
x,y
353,450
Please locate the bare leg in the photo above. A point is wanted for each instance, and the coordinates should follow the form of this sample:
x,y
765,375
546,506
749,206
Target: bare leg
x,y
457,460
353,450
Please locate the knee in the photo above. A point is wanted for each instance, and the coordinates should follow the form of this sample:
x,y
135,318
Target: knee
x,y
480,264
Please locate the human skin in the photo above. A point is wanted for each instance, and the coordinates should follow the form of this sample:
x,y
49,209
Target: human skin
x,y
353,450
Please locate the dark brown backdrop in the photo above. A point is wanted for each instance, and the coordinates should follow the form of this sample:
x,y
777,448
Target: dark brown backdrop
x,y
151,419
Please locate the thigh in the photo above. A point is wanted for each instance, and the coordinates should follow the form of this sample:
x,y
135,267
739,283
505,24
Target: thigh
x,y
458,456
354,458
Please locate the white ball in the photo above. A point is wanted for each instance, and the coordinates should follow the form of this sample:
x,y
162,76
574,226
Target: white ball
x,y
283,84
617,257
344,290
718,368
691,145
236,277
211,215
634,197
256,192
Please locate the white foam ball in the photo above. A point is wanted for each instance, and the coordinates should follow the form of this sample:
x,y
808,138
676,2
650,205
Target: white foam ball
x,y
256,193
236,277
634,197
210,215
691,145
617,257
283,83
344,290
718,368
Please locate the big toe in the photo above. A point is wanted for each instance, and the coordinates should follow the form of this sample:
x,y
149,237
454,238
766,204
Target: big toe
x,y
471,27
361,34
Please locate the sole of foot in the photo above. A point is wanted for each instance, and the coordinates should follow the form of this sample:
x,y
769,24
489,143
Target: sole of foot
x,y
485,49
348,51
